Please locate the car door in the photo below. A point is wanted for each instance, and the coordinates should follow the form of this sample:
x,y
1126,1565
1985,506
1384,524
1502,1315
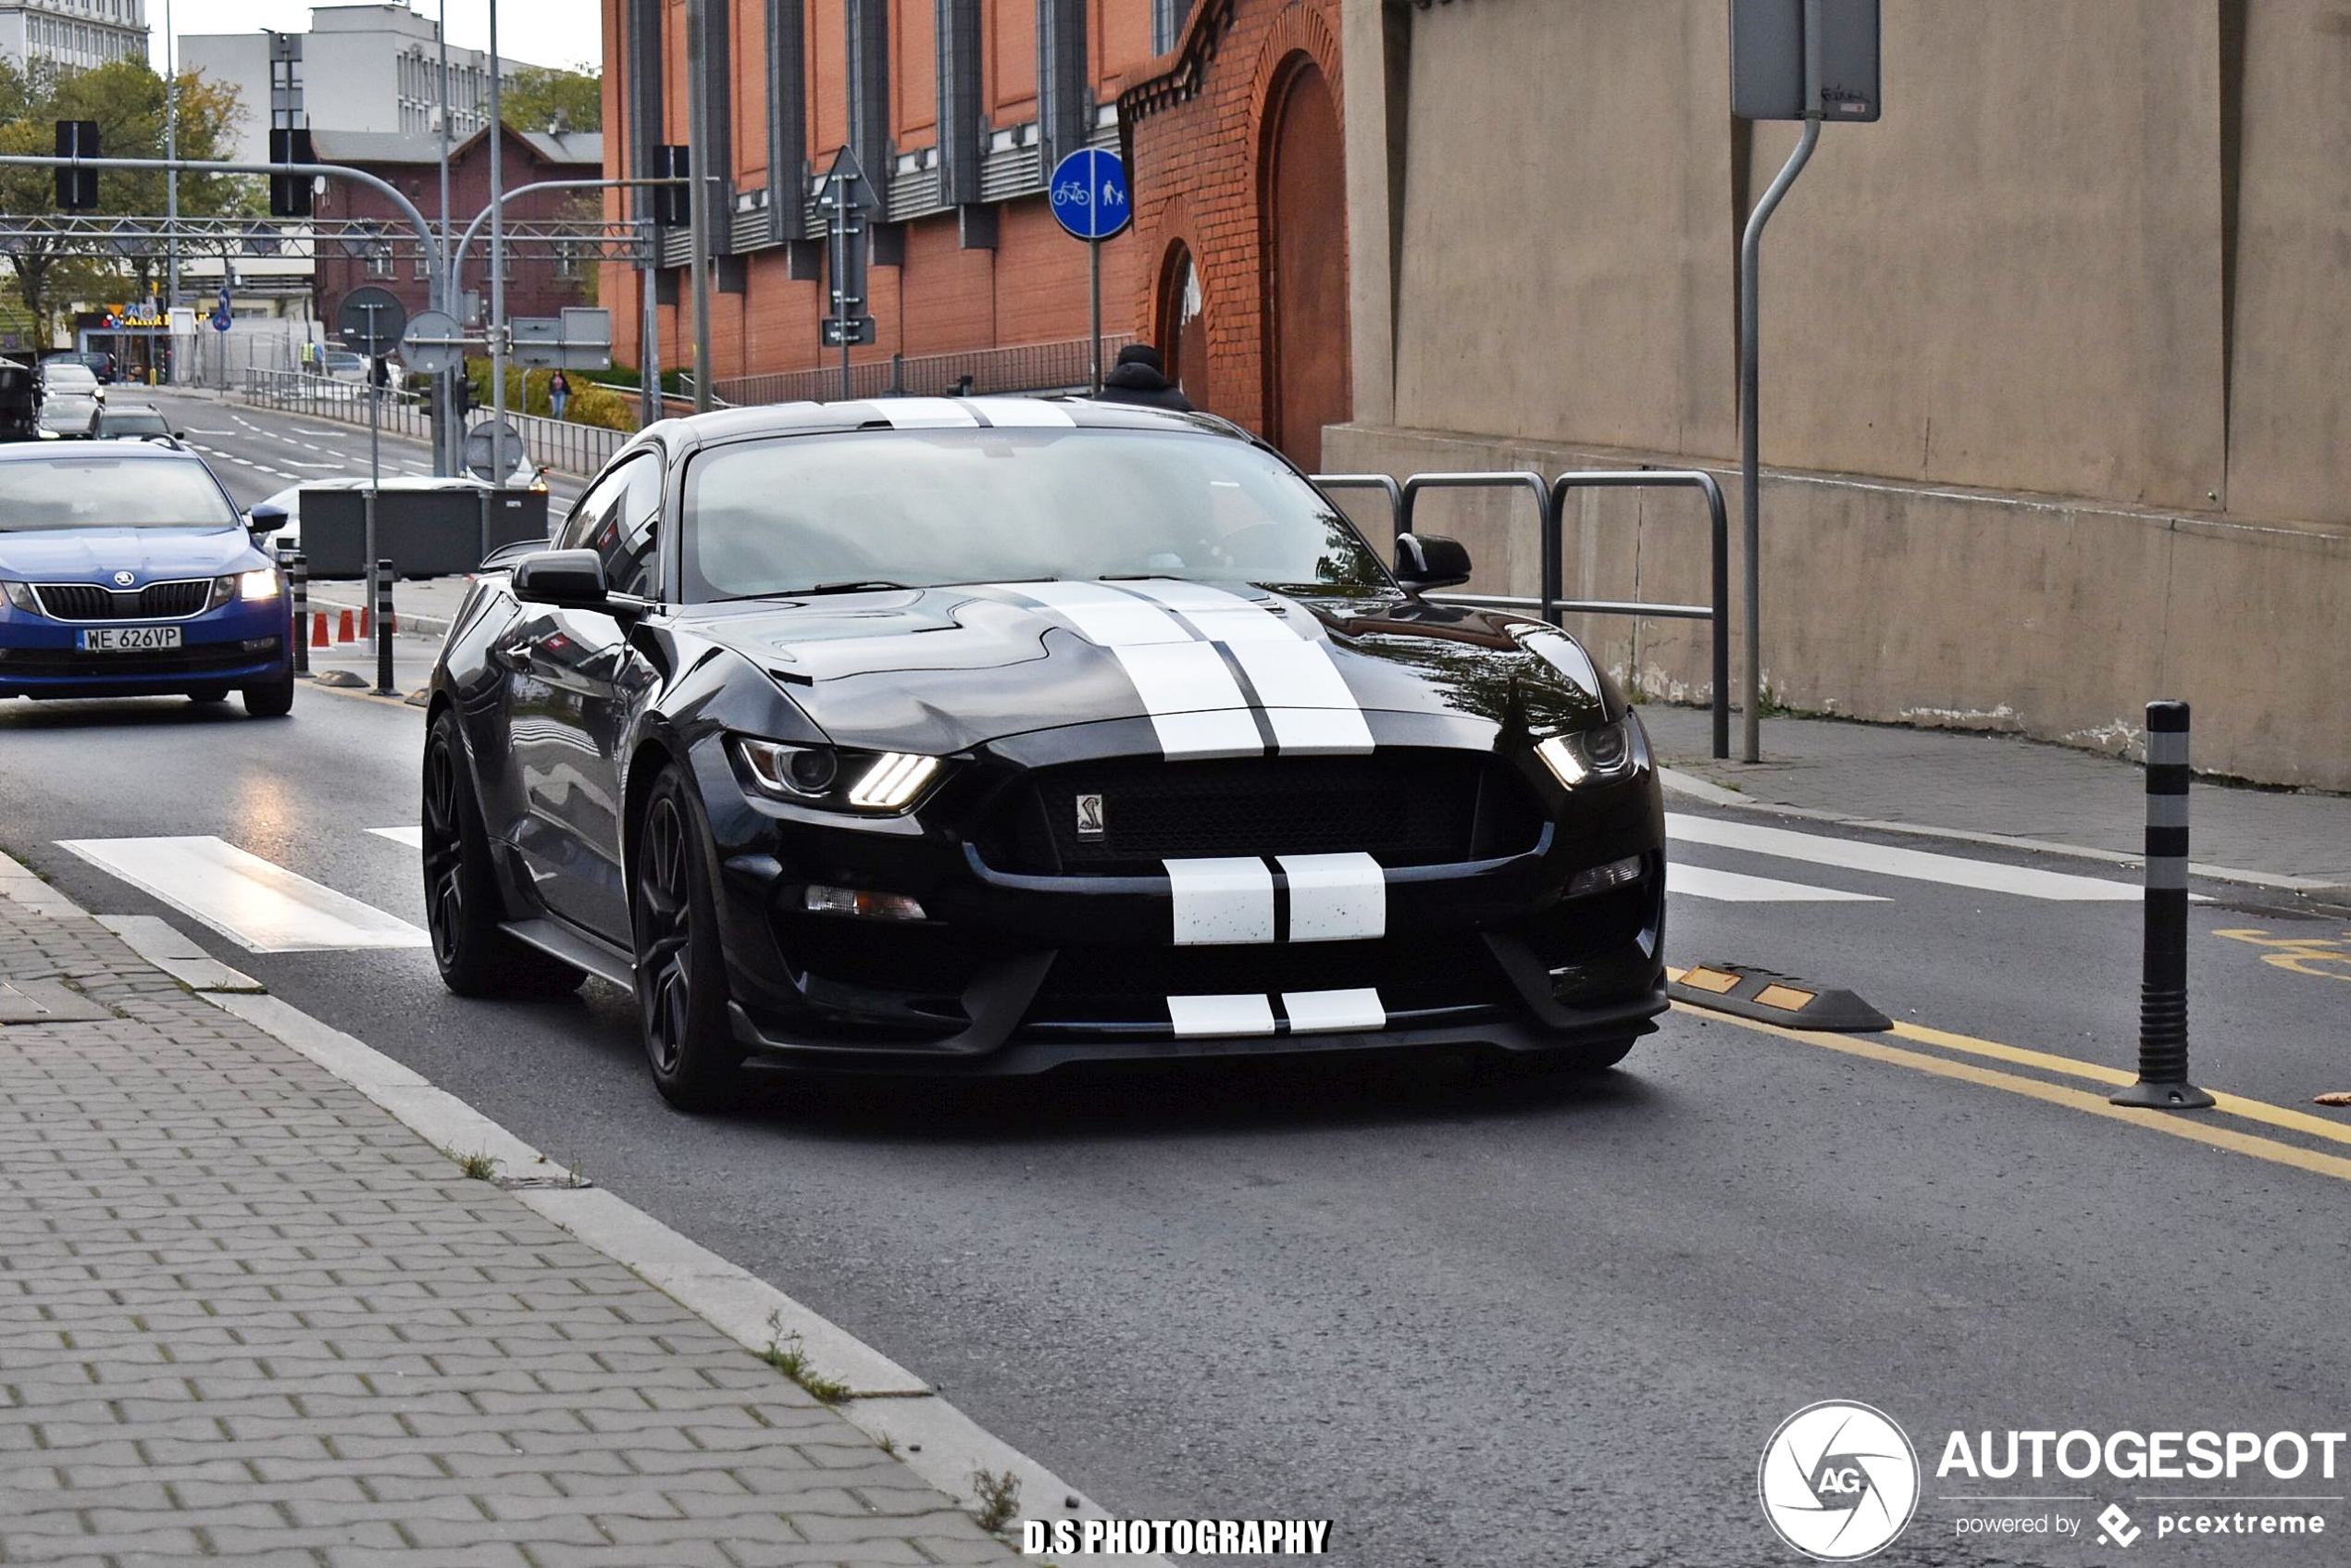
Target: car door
x,y
572,680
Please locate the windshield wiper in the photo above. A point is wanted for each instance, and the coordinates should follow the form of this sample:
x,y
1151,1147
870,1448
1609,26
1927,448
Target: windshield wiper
x,y
855,585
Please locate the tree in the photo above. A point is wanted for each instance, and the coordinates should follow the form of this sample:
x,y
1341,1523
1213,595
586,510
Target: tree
x,y
543,99
126,97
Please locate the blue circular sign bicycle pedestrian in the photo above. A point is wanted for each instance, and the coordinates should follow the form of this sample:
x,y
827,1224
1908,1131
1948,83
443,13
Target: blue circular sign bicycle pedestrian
x,y
1090,193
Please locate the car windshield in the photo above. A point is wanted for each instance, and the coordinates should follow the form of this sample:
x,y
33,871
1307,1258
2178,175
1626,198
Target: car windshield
x,y
922,509
97,491
134,422
71,375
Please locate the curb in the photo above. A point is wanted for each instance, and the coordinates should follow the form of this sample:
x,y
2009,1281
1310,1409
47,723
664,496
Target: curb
x,y
1698,788
887,1403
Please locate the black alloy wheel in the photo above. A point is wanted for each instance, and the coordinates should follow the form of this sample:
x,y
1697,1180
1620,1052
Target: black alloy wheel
x,y
462,905
681,978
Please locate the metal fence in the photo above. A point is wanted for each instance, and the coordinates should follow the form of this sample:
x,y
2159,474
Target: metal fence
x,y
567,448
1063,365
1550,507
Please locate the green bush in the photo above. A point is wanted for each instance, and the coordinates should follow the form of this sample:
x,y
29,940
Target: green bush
x,y
527,393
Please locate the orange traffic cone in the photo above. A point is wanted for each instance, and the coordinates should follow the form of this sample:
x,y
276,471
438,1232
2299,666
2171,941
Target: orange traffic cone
x,y
367,631
318,630
343,629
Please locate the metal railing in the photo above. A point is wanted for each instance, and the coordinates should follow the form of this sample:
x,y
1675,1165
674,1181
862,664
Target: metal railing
x,y
1062,366
566,447
1550,503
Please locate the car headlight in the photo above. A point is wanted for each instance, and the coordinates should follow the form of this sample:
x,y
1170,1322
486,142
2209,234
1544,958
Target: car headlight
x,y
262,584
21,596
877,782
1600,755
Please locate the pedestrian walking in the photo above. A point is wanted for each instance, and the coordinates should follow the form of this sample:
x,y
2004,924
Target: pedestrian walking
x,y
558,393
1140,377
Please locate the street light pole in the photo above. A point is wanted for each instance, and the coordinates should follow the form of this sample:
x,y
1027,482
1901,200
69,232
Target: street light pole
x,y
497,264
698,209
443,409
171,180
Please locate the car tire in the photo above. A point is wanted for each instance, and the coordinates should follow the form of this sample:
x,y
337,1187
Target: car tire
x,y
681,976
461,887
272,701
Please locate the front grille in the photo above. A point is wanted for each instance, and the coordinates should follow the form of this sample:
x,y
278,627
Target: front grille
x,y
1413,974
207,658
156,602
1403,806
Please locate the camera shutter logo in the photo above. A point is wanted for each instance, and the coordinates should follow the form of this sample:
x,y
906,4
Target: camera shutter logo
x,y
1839,1481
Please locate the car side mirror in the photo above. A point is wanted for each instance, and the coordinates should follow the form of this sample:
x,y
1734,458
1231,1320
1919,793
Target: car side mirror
x,y
1427,561
567,578
265,519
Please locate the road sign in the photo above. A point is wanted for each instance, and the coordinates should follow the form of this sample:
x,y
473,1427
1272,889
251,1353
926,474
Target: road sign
x,y
223,314
1090,193
422,347
478,461
580,339
860,331
1767,59
371,321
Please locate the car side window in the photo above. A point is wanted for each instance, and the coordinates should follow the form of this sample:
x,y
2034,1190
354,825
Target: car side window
x,y
587,518
629,536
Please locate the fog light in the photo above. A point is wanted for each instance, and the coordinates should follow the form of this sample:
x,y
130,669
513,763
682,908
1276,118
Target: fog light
x,y
259,645
1600,878
871,906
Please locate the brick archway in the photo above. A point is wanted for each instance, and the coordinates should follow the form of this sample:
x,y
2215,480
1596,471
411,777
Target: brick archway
x,y
1302,251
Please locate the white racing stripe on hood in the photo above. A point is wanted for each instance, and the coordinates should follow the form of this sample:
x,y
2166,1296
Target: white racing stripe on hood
x,y
1306,700
1196,706
925,414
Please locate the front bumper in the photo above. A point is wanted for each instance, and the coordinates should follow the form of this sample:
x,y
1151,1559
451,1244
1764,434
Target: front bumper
x,y
238,645
1019,972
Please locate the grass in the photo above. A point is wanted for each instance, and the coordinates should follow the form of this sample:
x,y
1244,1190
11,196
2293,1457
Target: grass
x,y
998,1495
784,1353
478,1166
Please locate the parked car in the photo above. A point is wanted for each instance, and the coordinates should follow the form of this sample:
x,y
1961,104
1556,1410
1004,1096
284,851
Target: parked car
x,y
67,378
342,365
125,571
982,737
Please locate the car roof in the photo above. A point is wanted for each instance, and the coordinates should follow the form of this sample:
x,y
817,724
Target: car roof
x,y
130,451
918,413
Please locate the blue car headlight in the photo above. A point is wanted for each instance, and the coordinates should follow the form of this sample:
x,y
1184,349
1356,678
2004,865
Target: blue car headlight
x,y
20,597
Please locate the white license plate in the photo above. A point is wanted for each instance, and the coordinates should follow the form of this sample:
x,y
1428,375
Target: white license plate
x,y
130,639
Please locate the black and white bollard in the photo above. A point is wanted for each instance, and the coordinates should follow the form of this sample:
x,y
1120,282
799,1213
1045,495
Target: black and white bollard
x,y
383,628
297,567
2163,984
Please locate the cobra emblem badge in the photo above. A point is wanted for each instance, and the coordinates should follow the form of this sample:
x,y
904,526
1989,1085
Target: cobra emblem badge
x,y
1091,822
124,580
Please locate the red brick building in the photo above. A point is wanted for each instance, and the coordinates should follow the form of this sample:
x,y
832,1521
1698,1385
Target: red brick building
x,y
966,256
538,282
1234,140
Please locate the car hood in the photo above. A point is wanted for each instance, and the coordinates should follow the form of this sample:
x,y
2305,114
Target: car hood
x,y
943,669
149,554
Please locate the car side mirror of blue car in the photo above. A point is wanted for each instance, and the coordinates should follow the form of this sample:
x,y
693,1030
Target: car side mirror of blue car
x,y
565,578
1429,561
265,519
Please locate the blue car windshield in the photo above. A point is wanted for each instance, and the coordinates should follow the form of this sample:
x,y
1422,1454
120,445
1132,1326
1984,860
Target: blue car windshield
x,y
921,509
96,491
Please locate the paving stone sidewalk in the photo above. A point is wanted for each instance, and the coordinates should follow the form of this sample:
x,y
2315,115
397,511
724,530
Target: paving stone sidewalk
x,y
2008,786
247,1316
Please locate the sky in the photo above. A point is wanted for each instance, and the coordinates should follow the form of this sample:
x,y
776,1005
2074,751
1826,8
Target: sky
x,y
542,32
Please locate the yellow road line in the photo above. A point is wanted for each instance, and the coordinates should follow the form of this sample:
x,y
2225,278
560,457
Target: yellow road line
x,y
2170,1122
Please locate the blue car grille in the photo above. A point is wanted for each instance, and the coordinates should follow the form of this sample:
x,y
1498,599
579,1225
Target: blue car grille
x,y
156,602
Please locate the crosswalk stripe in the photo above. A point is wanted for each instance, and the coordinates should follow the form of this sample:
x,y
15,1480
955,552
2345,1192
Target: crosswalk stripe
x,y
1732,887
1885,860
251,901
414,836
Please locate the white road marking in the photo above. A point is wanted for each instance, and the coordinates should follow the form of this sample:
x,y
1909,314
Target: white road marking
x,y
412,836
251,901
1885,860
1732,887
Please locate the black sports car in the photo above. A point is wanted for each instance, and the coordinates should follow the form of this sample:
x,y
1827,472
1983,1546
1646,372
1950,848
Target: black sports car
x,y
986,735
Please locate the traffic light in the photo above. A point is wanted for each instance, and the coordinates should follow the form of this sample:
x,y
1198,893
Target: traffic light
x,y
290,194
673,204
77,188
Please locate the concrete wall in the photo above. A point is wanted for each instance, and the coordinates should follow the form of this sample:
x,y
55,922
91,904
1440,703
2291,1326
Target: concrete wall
x,y
2051,355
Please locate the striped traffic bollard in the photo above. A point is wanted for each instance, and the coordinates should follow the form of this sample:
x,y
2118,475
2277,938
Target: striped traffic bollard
x,y
298,590
2163,984
383,628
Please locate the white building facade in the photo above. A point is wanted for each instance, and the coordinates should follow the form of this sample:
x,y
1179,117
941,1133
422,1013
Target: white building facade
x,y
73,34
371,67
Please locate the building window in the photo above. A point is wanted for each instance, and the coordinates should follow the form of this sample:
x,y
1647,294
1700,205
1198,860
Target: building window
x,y
1065,84
1167,23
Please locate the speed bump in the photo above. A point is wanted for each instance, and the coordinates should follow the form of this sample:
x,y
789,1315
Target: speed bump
x,y
1745,991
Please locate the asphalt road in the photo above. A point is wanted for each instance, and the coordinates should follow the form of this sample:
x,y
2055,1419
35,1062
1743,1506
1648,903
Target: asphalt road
x,y
1468,1323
